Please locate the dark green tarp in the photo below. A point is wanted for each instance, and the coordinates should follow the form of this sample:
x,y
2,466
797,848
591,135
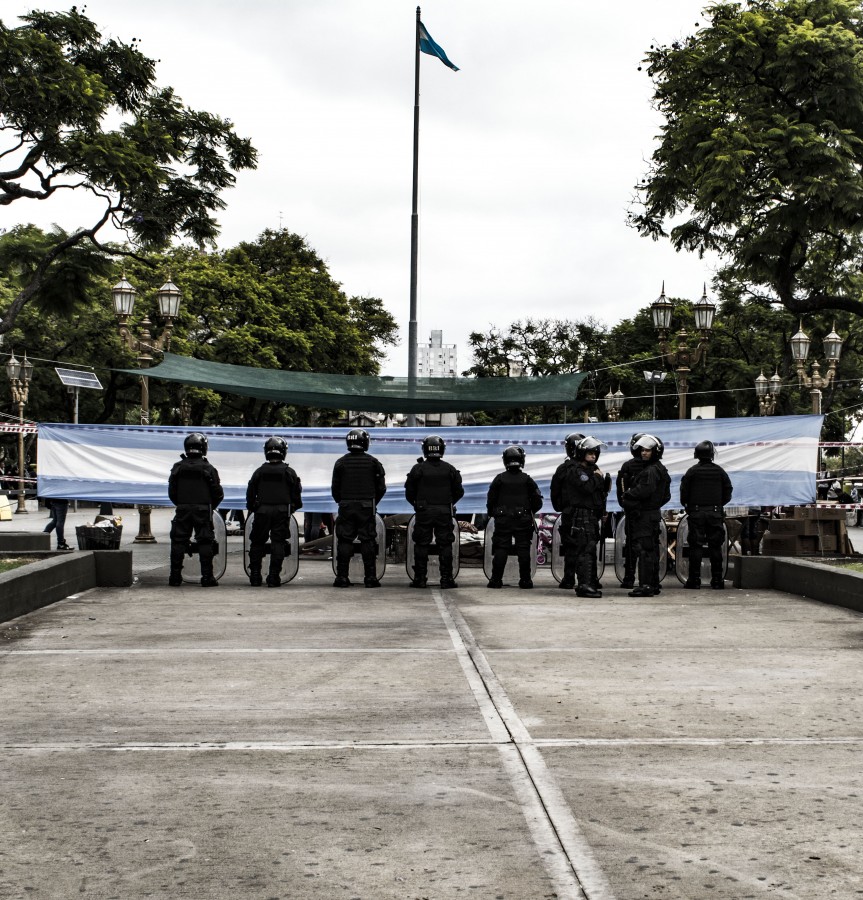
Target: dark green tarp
x,y
369,393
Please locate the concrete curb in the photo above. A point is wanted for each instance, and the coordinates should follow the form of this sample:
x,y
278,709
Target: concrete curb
x,y
41,583
817,581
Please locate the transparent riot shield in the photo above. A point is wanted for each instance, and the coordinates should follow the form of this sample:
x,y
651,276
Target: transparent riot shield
x,y
220,560
291,563
557,561
681,556
434,560
510,573
356,571
620,549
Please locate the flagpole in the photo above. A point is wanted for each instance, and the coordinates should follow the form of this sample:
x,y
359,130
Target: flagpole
x,y
412,322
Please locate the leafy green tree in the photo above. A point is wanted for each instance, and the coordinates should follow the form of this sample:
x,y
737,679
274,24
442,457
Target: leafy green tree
x,y
270,303
760,157
158,174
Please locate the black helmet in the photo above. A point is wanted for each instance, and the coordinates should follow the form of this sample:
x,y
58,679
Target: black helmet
x,y
571,441
275,448
433,447
660,447
705,450
648,442
357,440
632,440
513,456
588,445
195,444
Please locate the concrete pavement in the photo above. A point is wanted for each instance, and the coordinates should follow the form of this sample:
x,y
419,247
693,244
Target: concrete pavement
x,y
307,741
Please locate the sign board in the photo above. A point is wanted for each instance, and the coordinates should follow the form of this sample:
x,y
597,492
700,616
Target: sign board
x,y
78,378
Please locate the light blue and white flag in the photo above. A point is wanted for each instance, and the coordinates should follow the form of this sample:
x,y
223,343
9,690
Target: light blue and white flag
x,y
772,460
427,45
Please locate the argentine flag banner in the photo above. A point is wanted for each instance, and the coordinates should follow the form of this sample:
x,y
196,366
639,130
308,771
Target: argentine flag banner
x,y
427,45
772,460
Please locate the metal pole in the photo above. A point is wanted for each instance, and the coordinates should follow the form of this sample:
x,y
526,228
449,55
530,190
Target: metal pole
x,y
22,503
816,401
654,401
145,534
682,389
412,321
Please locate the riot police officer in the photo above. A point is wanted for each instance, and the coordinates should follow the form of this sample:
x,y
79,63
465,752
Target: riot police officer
x,y
513,500
704,490
588,490
273,494
562,502
359,484
643,502
194,488
432,488
625,478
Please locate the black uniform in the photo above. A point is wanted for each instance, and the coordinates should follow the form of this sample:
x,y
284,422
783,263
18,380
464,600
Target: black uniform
x,y
587,493
513,499
643,502
704,490
273,494
625,479
432,488
194,488
561,501
359,484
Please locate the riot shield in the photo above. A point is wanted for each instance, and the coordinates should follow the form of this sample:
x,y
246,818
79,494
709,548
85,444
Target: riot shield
x,y
620,549
510,573
681,556
220,560
434,560
291,563
356,571
557,561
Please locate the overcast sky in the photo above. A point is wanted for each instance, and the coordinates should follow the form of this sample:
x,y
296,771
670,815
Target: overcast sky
x,y
528,154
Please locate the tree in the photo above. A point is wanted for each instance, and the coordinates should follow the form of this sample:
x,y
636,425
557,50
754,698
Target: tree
x,y
158,174
535,347
760,158
270,303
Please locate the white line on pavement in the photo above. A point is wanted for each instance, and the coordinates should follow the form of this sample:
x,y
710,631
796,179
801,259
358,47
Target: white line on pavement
x,y
566,853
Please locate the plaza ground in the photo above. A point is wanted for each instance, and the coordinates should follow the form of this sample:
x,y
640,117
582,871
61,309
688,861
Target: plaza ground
x,y
306,741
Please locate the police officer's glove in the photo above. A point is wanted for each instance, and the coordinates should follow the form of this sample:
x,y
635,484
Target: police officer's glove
x,y
607,482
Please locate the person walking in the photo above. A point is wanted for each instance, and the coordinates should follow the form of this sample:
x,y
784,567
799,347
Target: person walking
x,y
273,494
643,502
705,490
194,488
432,488
513,499
57,521
358,485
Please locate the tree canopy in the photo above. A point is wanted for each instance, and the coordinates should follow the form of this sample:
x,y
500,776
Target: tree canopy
x,y
760,157
270,303
83,114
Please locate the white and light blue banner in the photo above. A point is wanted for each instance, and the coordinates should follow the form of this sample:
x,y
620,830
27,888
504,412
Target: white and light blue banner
x,y
772,460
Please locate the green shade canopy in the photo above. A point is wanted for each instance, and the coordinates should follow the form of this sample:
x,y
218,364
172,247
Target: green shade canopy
x,y
369,393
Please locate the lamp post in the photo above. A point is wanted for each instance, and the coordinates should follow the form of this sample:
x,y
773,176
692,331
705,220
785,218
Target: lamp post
x,y
655,377
614,404
20,374
123,297
767,390
684,357
816,381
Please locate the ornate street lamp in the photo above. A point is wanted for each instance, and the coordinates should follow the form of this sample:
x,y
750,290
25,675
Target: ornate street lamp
x,y
767,390
816,382
614,404
684,357
144,344
19,374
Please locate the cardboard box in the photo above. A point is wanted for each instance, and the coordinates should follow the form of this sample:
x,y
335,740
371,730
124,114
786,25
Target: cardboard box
x,y
788,526
825,514
790,545
829,543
